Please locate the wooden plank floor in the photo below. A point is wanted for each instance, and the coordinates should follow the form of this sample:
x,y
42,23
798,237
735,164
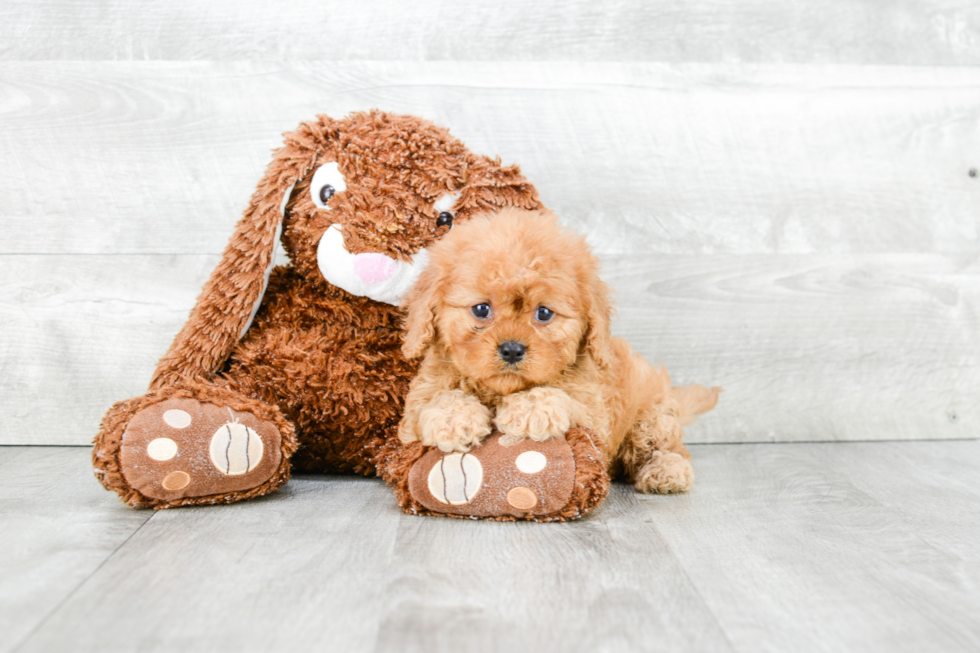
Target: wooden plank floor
x,y
804,547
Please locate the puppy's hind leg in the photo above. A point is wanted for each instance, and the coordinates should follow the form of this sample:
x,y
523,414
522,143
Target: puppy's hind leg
x,y
653,456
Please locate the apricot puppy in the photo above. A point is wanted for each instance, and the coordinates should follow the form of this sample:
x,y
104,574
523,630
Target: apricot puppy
x,y
513,322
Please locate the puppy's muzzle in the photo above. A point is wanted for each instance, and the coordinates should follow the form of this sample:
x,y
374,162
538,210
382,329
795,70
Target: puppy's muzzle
x,y
512,352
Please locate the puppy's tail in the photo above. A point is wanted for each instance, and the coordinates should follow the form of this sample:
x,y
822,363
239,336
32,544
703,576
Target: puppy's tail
x,y
695,400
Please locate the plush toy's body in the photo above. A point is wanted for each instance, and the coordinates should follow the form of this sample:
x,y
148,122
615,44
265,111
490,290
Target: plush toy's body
x,y
332,364
306,359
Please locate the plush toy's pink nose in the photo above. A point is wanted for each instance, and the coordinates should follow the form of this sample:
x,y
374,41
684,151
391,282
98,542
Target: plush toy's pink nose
x,y
374,268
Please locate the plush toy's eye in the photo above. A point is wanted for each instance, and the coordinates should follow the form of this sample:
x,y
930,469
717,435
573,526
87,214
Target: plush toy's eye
x,y
327,182
543,314
444,205
481,311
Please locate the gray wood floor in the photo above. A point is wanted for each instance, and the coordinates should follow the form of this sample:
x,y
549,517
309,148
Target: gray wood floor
x,y
780,547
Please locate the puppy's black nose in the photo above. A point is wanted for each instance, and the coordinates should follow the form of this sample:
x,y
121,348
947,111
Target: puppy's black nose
x,y
512,351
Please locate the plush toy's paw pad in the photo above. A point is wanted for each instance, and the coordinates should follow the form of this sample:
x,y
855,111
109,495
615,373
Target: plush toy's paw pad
x,y
501,477
185,448
664,473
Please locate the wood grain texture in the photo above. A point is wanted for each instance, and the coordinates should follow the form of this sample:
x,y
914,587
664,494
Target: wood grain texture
x,y
803,547
831,547
303,569
864,31
161,157
874,347
57,529
331,564
606,584
83,332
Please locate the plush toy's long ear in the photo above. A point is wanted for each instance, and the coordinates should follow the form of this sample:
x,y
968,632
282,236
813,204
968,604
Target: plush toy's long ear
x,y
420,322
233,294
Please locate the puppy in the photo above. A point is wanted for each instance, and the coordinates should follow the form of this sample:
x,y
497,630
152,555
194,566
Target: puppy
x,y
513,322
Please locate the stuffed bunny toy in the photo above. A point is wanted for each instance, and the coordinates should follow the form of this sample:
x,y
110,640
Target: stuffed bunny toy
x,y
300,366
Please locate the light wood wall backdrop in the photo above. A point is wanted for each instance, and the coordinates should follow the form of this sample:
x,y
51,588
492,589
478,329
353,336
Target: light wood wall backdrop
x,y
781,192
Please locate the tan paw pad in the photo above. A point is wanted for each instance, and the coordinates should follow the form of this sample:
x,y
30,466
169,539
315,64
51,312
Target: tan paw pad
x,y
501,477
456,479
235,449
161,449
179,419
522,498
185,448
531,462
176,481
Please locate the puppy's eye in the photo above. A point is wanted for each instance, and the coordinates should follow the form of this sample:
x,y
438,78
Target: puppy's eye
x,y
543,314
327,182
445,219
481,311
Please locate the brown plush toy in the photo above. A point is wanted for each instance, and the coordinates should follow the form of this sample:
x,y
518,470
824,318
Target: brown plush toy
x,y
301,366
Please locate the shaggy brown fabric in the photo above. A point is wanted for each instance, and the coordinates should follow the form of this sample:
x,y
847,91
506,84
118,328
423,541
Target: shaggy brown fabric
x,y
323,365
395,167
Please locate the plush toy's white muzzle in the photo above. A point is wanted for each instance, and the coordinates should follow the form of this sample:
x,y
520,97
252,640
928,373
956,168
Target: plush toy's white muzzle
x,y
372,275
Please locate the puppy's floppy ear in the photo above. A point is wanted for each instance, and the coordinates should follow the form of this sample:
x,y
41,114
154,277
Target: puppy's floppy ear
x,y
420,322
232,295
598,339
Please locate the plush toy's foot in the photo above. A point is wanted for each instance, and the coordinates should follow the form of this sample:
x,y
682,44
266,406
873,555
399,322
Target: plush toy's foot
x,y
192,446
555,480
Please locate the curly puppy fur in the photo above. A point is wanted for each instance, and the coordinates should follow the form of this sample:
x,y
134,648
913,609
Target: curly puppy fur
x,y
326,364
570,372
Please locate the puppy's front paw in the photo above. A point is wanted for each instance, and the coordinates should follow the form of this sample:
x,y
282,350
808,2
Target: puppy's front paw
x,y
454,421
538,414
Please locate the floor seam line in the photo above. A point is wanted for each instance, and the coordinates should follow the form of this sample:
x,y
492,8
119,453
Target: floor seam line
x,y
694,586
74,590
